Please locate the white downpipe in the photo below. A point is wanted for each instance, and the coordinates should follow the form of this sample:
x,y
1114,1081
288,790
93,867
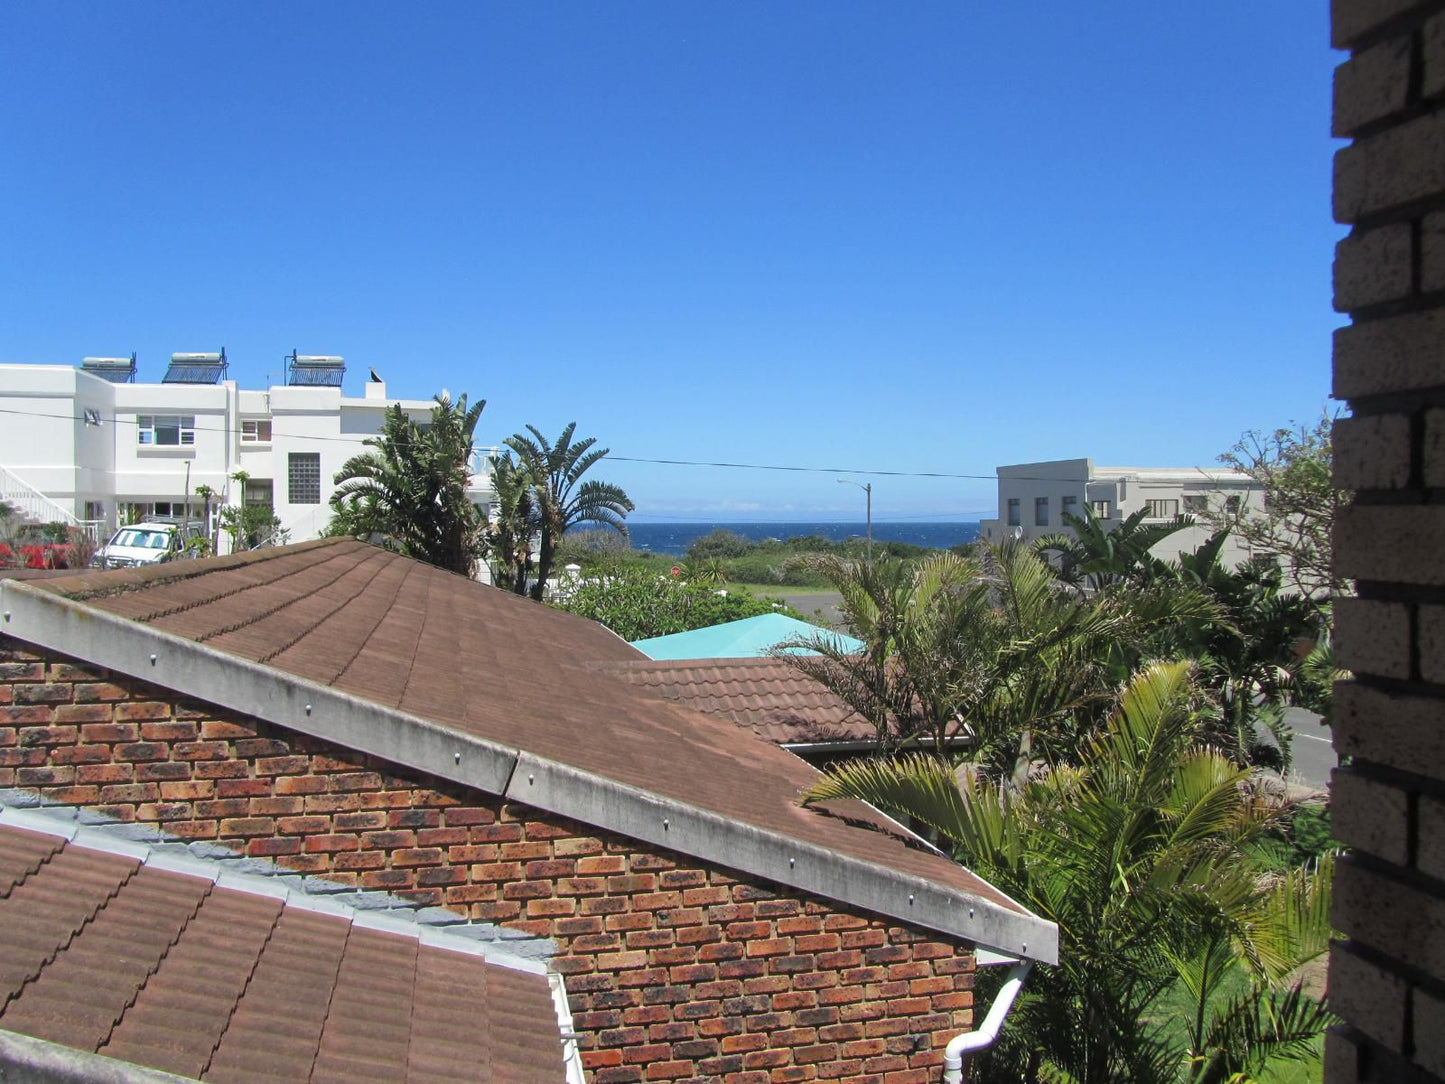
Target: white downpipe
x,y
961,1047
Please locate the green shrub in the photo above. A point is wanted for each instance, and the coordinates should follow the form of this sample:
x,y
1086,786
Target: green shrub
x,y
637,603
719,543
1309,831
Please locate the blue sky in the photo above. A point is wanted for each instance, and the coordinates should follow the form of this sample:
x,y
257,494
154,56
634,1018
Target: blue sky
x,y
929,237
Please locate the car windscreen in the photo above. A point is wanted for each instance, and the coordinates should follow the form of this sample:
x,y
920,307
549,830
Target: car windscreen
x,y
141,540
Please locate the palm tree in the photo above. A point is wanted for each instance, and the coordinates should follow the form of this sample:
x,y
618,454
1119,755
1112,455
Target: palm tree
x,y
412,487
1097,557
510,532
1249,655
1143,854
985,647
563,499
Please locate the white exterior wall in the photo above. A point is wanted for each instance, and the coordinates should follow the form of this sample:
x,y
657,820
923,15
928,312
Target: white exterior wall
x,y
1126,489
45,442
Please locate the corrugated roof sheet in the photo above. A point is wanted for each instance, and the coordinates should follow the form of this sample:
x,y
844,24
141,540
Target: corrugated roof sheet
x,y
163,969
748,637
500,667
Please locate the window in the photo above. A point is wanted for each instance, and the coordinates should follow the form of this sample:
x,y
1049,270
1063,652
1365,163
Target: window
x,y
304,478
166,430
1162,509
175,510
1041,511
1196,504
94,510
1101,508
1013,512
256,432
1231,505
1069,506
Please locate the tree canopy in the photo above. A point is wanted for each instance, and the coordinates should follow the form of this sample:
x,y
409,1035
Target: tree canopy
x,y
1294,519
411,488
562,499
1145,854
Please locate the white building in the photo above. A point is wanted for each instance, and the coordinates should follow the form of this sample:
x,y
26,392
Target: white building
x,y
89,445
1034,497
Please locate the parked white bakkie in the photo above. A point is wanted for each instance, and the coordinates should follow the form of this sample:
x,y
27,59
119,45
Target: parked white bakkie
x,y
147,543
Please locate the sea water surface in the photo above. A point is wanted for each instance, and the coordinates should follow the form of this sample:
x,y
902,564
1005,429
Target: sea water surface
x,y
674,538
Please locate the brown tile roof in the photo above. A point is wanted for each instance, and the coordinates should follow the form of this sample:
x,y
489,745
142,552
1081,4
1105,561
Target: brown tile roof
x,y
502,668
767,696
106,954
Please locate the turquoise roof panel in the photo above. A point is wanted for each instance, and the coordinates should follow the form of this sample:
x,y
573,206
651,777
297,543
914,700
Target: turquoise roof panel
x,y
748,638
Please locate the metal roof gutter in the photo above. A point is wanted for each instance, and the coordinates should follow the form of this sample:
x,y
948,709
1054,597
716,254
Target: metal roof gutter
x,y
195,670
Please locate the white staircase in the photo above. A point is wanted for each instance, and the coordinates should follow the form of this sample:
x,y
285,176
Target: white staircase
x,y
32,506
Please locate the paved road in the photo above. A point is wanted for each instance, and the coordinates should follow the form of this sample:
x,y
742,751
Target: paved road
x,y
1314,756
810,603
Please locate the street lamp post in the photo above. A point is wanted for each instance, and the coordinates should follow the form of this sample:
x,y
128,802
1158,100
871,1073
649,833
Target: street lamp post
x,y
868,492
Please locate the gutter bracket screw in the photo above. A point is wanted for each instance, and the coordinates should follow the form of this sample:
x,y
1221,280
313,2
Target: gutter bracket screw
x,y
153,660
457,757
308,709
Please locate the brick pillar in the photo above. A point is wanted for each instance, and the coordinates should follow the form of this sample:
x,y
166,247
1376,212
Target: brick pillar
x,y
1387,979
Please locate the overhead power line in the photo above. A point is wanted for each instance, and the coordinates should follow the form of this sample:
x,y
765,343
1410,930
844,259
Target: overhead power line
x,y
90,418
804,470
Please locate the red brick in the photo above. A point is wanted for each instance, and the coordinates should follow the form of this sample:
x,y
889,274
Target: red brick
x,y
43,694
140,751
415,818
334,842
73,795
220,769
80,754
159,771
422,856
251,747
104,773
136,792
139,709
214,729
109,732
273,846
358,860
34,713
302,825
187,791
469,815
247,826
169,731
292,765
302,784
354,822
82,713
99,692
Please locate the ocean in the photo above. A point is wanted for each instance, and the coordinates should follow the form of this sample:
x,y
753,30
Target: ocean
x,y
674,538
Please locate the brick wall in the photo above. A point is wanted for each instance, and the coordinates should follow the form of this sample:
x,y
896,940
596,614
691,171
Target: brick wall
x,y
675,970
1387,979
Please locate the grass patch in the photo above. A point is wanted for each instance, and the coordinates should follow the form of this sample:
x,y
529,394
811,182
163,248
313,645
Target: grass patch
x,y
1176,1006
775,589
